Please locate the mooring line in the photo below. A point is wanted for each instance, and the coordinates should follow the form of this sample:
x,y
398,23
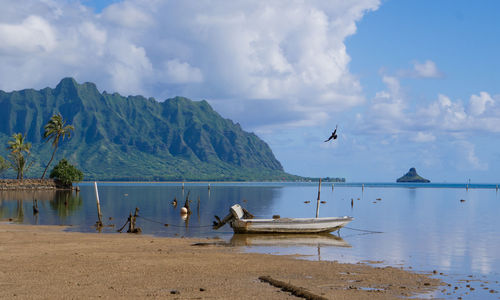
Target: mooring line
x,y
362,230
167,225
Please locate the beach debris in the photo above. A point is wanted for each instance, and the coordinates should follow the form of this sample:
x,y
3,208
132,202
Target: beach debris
x,y
276,217
174,202
131,226
294,290
131,223
462,200
379,199
307,201
202,289
323,202
175,292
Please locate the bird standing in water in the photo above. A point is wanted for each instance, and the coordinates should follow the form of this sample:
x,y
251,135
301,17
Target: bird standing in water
x,y
334,134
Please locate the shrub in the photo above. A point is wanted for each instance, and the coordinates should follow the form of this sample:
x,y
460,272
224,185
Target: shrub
x,y
66,173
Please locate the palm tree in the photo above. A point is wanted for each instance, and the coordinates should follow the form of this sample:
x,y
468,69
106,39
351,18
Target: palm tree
x,y
56,129
17,159
3,165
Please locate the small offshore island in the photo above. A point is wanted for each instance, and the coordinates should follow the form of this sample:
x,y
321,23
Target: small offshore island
x,y
412,176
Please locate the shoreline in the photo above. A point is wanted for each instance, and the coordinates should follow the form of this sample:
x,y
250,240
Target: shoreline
x,y
47,262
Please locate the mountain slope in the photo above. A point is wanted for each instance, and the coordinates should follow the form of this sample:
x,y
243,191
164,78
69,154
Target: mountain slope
x,y
134,138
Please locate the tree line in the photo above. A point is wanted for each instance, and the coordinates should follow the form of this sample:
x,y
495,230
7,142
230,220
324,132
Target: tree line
x,y
18,159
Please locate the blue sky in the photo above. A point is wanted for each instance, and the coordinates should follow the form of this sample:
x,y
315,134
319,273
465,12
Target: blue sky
x,y
409,83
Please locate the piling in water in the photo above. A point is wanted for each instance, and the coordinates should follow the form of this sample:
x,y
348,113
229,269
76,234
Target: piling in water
x,y
99,215
317,203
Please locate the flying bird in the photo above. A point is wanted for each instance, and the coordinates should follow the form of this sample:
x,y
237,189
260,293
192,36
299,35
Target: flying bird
x,y
334,134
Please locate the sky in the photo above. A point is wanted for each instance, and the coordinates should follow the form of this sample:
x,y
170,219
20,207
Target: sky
x,y
411,83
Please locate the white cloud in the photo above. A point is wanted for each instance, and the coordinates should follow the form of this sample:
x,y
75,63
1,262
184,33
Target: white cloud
x,y
468,158
390,112
427,69
479,103
181,72
424,137
32,35
286,57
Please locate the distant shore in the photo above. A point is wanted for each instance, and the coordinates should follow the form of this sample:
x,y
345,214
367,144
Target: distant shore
x,y
45,262
31,184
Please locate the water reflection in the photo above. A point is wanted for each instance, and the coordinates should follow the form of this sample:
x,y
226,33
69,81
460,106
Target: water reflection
x,y
31,207
288,240
66,203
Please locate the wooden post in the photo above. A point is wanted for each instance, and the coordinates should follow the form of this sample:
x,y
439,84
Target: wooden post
x,y
317,203
131,226
99,215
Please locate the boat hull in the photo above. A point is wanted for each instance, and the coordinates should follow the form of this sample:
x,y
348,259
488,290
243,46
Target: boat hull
x,y
286,225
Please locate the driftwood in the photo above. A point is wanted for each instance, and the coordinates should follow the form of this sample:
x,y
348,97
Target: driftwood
x,y
131,223
294,290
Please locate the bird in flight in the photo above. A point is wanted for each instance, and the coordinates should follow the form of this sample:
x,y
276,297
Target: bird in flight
x,y
334,134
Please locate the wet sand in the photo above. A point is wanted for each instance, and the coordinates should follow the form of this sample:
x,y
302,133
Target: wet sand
x,y
46,262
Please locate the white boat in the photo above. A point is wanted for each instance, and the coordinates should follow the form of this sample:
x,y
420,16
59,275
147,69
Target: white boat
x,y
284,225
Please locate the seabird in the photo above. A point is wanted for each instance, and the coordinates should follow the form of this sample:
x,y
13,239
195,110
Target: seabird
x,y
334,134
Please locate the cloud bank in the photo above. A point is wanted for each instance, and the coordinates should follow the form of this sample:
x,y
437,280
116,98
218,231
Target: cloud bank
x,y
244,56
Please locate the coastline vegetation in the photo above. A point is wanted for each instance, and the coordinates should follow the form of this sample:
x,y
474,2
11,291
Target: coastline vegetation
x,y
56,129
20,153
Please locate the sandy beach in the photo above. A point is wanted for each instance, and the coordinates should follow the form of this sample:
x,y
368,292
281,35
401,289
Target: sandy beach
x,y
46,262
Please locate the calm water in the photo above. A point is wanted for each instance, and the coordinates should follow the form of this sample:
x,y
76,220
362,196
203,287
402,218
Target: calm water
x,y
442,227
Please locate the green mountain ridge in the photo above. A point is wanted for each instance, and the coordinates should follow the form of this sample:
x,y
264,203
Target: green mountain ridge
x,y
135,138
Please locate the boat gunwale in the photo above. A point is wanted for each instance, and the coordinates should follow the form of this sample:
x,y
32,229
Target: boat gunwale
x,y
298,220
